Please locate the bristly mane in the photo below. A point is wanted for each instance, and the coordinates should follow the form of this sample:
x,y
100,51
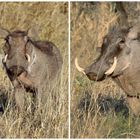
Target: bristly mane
x,y
18,33
44,46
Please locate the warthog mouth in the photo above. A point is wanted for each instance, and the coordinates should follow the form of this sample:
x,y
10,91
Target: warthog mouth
x,y
97,76
24,79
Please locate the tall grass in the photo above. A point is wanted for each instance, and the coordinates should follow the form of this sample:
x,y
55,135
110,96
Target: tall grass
x,y
51,22
98,109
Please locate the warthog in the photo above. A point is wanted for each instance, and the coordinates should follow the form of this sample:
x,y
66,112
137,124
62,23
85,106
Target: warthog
x,y
120,60
30,65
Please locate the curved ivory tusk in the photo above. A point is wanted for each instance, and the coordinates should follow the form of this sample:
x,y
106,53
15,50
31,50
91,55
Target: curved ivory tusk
x,y
78,67
126,66
28,57
112,68
5,58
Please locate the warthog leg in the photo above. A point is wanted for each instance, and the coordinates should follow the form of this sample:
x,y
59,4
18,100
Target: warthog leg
x,y
19,97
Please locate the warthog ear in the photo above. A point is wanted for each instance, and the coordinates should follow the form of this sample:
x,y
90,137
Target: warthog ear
x,y
4,33
33,33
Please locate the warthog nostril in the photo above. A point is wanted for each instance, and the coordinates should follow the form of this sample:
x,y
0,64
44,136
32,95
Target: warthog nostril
x,y
95,77
91,76
16,70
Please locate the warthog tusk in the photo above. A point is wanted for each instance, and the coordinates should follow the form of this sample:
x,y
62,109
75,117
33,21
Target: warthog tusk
x,y
112,68
78,67
28,57
126,66
5,58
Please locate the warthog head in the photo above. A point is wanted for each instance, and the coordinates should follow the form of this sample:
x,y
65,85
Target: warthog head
x,y
113,59
17,54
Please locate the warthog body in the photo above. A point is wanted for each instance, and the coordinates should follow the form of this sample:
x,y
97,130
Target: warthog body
x,y
33,65
120,60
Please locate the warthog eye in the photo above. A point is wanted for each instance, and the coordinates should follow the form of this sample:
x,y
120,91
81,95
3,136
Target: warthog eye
x,y
110,61
8,40
122,41
6,48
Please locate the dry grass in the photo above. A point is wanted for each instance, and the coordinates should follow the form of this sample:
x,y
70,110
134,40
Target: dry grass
x,y
51,22
98,110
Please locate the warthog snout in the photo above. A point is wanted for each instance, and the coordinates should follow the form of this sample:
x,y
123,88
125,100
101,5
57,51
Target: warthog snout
x,y
94,76
16,70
